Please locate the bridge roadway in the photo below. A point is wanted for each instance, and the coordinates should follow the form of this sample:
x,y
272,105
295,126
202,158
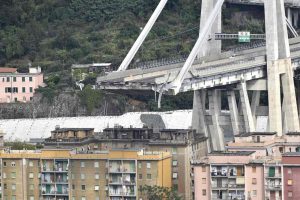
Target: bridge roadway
x,y
288,3
209,72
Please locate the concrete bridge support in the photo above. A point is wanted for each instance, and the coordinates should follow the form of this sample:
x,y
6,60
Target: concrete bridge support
x,y
292,15
212,47
279,69
234,113
246,108
199,115
216,133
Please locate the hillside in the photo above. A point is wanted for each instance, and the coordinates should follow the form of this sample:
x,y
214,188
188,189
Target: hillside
x,y
55,34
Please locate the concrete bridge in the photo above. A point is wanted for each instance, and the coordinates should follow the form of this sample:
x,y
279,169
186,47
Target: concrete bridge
x,y
241,76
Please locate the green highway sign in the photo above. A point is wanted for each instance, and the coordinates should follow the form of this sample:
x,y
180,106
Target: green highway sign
x,y
244,36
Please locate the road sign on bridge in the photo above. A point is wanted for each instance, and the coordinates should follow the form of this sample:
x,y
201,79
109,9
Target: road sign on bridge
x,y
244,36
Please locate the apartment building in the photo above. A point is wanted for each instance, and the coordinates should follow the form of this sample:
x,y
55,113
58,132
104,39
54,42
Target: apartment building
x,y
291,175
228,175
19,87
67,175
183,145
268,163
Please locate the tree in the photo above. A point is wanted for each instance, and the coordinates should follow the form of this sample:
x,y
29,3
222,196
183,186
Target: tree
x,y
159,193
90,98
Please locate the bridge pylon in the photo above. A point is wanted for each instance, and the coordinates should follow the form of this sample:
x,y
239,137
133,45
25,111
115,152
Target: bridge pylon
x,y
211,47
279,70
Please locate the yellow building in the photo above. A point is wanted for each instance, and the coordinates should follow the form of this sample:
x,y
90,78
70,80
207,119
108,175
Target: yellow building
x,y
64,174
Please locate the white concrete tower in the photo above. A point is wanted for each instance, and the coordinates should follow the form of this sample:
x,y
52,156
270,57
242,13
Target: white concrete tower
x,y
279,69
212,47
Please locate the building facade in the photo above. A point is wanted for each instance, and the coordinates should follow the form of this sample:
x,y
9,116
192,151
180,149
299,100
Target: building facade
x,y
228,175
19,87
64,175
183,145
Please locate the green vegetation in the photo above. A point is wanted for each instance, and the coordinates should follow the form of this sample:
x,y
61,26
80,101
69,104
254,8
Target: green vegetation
x,y
159,193
90,98
55,34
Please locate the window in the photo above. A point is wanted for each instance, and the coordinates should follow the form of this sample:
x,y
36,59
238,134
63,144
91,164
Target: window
x,y
290,182
82,164
203,180
23,79
16,99
31,187
253,169
15,90
5,186
8,90
31,198
174,150
82,187
4,175
289,170
148,176
13,164
73,187
30,90
23,89
30,79
4,164
148,165
203,192
96,164
140,176
96,176
174,163
254,193
83,198
96,187
140,165
254,181
15,79
281,149
82,176
13,186
30,164
7,79
31,175
175,175
290,194
13,175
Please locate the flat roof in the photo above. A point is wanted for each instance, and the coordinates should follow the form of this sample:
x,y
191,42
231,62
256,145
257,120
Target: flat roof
x,y
231,153
293,133
8,70
291,154
255,134
71,129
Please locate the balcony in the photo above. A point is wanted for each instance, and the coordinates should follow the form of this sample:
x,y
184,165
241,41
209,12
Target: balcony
x,y
273,187
270,175
122,167
115,179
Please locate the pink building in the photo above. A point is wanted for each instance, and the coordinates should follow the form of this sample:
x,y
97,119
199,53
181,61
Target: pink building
x,y
229,175
291,175
20,87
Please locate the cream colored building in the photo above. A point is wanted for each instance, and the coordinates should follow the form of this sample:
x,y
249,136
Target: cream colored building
x,y
64,175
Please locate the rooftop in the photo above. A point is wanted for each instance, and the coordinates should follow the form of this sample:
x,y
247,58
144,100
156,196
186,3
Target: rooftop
x,y
59,130
291,154
231,153
293,133
8,70
255,133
